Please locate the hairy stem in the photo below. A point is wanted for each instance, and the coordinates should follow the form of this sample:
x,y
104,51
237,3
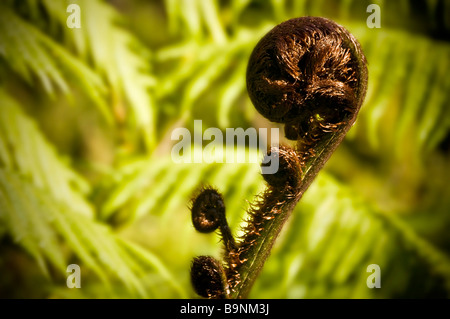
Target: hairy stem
x,y
257,254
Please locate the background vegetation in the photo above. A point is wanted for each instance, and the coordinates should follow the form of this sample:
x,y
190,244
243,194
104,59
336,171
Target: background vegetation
x,y
86,175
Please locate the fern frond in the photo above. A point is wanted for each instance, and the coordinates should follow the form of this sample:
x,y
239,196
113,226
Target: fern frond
x,y
204,65
198,18
126,64
408,93
36,221
327,248
115,53
26,151
25,54
19,214
159,187
29,52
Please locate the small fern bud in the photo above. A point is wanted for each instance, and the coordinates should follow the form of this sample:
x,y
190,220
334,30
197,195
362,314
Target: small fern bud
x,y
289,170
208,210
208,214
208,277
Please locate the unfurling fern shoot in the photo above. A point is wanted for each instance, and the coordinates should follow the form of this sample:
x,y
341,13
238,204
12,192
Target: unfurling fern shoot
x,y
310,74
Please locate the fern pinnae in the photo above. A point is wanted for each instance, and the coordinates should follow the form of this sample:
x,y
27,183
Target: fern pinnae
x,y
15,216
108,253
210,13
230,93
165,179
5,157
415,89
45,236
153,260
65,226
134,177
182,188
436,97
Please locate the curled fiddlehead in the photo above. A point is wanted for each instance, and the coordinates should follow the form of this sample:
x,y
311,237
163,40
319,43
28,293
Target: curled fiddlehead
x,y
208,214
208,278
310,74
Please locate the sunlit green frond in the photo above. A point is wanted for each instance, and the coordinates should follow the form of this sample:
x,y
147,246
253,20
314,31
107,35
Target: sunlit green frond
x,y
408,95
37,222
159,187
195,17
202,66
115,53
31,53
26,54
330,243
25,150
125,63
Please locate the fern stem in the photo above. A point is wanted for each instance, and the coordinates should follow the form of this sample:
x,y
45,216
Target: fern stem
x,y
286,200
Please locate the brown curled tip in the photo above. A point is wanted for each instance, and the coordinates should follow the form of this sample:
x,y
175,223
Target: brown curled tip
x,y
289,168
307,68
208,277
208,210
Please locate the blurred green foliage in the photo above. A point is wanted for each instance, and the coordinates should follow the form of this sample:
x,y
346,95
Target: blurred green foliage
x,y
86,175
